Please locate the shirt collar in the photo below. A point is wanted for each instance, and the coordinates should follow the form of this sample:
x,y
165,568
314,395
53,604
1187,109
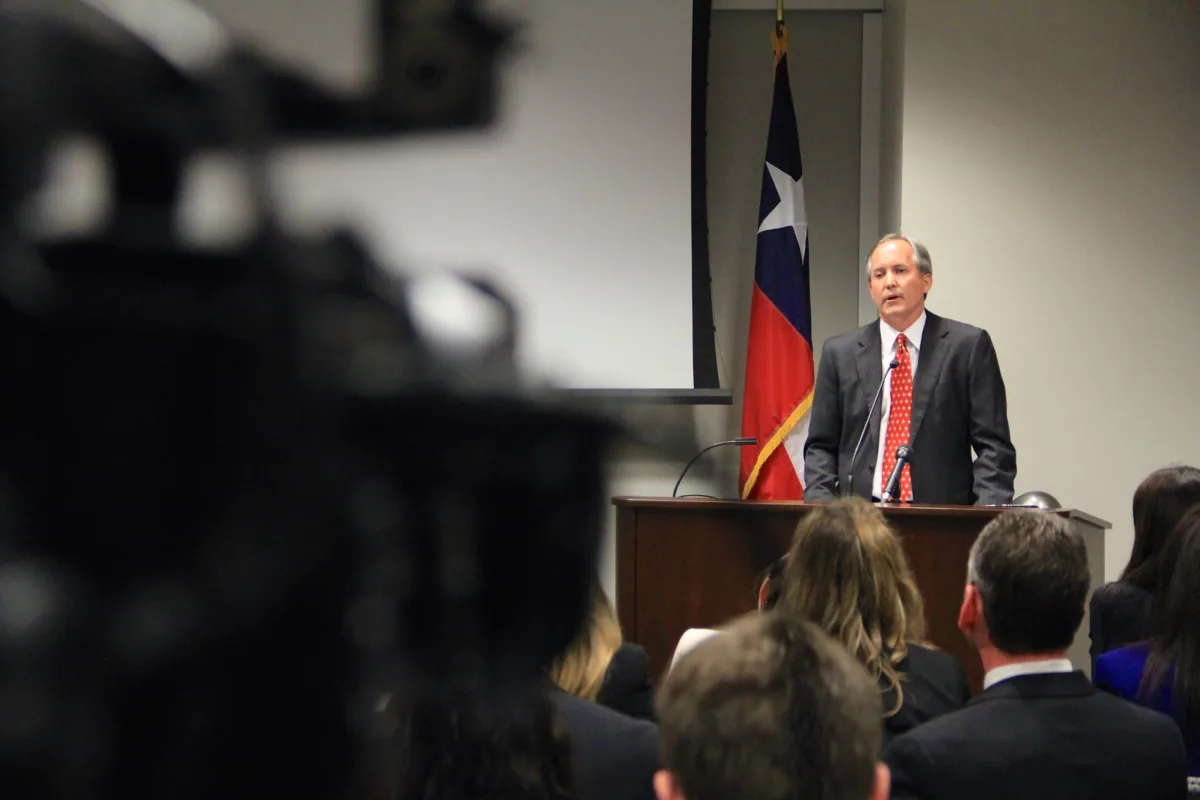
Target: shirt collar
x,y
1049,665
888,334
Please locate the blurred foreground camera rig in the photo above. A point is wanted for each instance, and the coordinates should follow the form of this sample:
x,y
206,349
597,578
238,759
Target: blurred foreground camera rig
x,y
244,491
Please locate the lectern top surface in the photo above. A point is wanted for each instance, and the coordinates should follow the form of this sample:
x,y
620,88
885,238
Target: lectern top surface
x,y
889,509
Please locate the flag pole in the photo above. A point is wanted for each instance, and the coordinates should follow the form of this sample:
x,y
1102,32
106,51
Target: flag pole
x,y
779,11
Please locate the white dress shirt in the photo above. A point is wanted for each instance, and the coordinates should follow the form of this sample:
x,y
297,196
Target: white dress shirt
x,y
1049,666
887,335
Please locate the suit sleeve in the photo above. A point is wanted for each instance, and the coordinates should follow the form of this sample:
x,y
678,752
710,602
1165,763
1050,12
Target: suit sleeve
x,y
995,467
911,768
824,432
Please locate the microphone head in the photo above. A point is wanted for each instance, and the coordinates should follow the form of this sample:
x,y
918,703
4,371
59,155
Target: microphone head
x,y
894,363
746,440
904,453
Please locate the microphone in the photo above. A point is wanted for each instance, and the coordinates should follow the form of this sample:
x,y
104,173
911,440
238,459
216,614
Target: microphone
x,y
867,426
904,454
741,441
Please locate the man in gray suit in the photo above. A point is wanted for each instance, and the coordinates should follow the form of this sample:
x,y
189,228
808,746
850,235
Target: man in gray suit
x,y
943,398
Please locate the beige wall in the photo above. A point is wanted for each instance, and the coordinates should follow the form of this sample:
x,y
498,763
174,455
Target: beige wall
x,y
1051,160
826,64
891,137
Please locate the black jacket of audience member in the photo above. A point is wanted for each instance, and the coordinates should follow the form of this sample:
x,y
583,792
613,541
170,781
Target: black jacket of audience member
x,y
1118,614
1035,736
612,756
934,684
627,685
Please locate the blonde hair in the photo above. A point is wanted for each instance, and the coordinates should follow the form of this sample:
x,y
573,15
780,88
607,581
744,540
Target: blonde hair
x,y
846,571
580,669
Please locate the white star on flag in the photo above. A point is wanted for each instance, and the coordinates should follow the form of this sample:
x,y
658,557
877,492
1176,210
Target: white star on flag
x,y
790,211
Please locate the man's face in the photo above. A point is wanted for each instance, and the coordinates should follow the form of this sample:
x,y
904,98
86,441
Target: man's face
x,y
897,286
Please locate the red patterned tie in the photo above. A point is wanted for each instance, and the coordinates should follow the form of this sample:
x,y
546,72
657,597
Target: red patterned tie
x,y
899,418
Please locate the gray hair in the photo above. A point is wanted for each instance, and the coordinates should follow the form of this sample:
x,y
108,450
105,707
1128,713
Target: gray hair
x,y
920,252
973,576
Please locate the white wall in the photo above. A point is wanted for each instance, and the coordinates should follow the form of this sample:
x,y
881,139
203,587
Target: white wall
x,y
1050,157
576,202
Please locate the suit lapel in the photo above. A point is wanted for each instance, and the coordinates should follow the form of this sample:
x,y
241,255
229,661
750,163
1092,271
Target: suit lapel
x,y
934,348
869,361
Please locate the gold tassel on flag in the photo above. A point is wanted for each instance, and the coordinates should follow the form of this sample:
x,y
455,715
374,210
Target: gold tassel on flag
x,y
779,38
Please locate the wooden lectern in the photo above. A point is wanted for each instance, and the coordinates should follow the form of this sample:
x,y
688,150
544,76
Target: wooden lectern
x,y
692,564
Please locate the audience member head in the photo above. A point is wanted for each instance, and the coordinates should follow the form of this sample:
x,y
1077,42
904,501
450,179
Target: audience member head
x,y
774,709
462,743
1158,504
1027,584
581,668
1175,650
847,572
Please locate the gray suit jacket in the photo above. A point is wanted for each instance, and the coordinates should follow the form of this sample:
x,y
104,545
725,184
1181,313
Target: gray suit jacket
x,y
958,404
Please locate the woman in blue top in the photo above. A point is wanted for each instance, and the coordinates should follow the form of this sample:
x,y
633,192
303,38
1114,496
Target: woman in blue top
x,y
1122,612
1163,673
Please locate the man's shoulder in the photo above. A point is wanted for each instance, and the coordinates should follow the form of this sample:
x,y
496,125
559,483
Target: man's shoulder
x,y
614,755
988,716
1136,719
956,328
957,727
598,720
925,659
1119,592
849,340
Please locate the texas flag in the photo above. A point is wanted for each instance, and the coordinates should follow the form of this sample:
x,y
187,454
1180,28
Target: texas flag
x,y
778,394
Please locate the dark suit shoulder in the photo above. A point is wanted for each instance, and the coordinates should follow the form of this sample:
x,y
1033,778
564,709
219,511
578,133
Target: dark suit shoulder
x,y
959,334
848,342
935,324
1119,614
630,657
952,325
598,721
1028,714
613,755
627,685
1119,593
931,661
934,684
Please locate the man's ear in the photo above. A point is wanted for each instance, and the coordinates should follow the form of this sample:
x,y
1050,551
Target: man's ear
x,y
971,609
666,786
883,782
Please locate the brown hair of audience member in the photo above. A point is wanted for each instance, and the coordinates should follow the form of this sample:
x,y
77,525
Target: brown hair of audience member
x,y
580,669
773,709
846,571
1175,651
1029,570
1159,503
